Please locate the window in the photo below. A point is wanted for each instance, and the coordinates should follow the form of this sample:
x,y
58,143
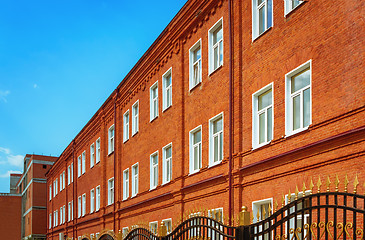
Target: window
x,y
301,218
83,204
125,232
195,65
111,191
56,218
262,128
55,187
134,179
195,150
79,166
97,198
195,223
125,184
260,210
126,126
92,200
153,227
97,160
61,176
167,90
64,213
153,170
92,155
262,17
111,139
50,192
72,172
50,221
63,179
83,162
96,235
216,214
216,46
135,114
291,4
154,101
167,163
216,139
298,99
69,175
69,211
79,207
168,224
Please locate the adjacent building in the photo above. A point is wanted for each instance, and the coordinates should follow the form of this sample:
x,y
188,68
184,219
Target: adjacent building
x,y
235,103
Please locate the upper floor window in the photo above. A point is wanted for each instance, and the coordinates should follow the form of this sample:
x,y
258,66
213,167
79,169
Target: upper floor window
x,y
298,99
216,139
61,176
97,157
262,116
216,46
262,17
126,126
154,170
83,204
134,179
50,221
291,4
111,191
154,101
97,198
69,175
167,89
70,211
92,200
167,163
83,158
195,65
72,172
125,184
135,114
79,166
111,139
92,155
79,204
195,149
50,192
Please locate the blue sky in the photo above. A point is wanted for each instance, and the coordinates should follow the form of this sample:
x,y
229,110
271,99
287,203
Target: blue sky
x,y
59,61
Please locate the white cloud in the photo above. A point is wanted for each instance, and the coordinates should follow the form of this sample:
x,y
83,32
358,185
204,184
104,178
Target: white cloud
x,y
3,95
35,85
7,174
5,150
15,160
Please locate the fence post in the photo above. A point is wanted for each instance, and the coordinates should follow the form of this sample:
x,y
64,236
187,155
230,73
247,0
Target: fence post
x,y
162,231
243,230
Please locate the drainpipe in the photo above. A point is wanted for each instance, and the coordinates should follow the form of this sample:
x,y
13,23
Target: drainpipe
x,y
115,154
230,115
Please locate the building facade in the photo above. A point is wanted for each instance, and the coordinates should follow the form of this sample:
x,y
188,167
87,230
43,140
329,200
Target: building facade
x,y
236,103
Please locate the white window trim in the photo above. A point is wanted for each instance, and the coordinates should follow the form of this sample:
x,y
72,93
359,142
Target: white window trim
x,y
154,222
288,102
50,192
83,203
126,126
125,185
291,221
255,123
151,171
191,64
110,202
168,220
211,142
288,8
133,177
83,162
79,206
191,149
97,198
72,172
164,163
257,203
68,174
50,221
111,146
164,90
92,200
79,166
92,155
255,18
97,151
152,117
135,126
210,46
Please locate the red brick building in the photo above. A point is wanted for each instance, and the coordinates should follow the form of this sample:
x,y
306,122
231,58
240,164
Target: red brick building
x,y
235,100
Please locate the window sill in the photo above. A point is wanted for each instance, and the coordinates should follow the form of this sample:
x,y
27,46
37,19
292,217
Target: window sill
x,y
296,132
124,199
92,166
259,36
261,145
286,15
151,189
126,140
134,196
214,164
215,70
192,88
133,134
165,183
163,110
110,153
195,172
151,120
97,162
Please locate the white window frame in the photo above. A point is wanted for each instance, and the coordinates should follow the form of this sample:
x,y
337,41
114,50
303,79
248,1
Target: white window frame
x,y
50,221
79,166
256,205
211,139
111,191
126,121
126,184
152,172
288,6
255,17
111,139
79,206
153,227
64,213
125,231
153,101
289,102
164,221
68,174
211,47
192,83
98,151
166,101
92,200
61,217
50,192
83,161
135,117
192,147
255,116
83,204
69,211
212,214
135,179
92,155
165,168
63,180
61,176
97,198
299,216
72,172
56,218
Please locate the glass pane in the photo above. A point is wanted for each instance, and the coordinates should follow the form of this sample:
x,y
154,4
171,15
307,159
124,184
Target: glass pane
x,y
217,126
306,107
155,176
197,137
196,157
215,57
296,112
259,2
197,73
168,97
200,156
168,152
265,99
269,124
215,147
300,80
168,166
262,19
295,3
221,146
269,14
220,53
197,54
262,132
217,35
